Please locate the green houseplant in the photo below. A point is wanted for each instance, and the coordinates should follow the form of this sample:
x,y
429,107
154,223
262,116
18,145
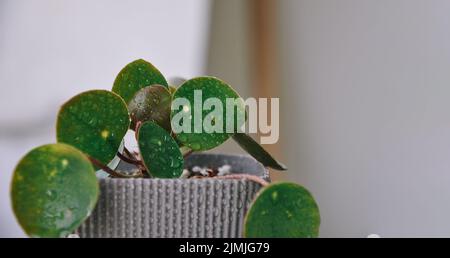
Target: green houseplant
x,y
54,187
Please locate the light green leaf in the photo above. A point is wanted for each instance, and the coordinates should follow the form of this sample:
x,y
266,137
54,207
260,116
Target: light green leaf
x,y
53,190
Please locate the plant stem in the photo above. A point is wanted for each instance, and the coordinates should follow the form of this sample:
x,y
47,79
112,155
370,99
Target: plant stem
x,y
138,162
106,168
128,160
129,154
253,178
136,130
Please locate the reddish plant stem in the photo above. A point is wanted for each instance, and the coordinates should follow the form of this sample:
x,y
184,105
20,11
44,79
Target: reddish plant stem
x,y
128,160
136,155
136,130
129,154
138,162
106,168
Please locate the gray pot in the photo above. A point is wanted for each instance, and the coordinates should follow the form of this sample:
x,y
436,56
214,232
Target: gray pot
x,y
176,207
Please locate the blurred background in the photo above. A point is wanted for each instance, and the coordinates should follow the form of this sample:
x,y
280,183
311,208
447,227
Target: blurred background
x,y
364,88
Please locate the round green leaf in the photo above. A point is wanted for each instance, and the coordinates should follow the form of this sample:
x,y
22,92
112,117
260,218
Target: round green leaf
x,y
283,210
151,103
95,122
220,126
135,76
53,190
159,151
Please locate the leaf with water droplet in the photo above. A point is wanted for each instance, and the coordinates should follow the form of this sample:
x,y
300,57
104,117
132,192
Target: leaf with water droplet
x,y
135,76
95,122
53,190
284,210
218,127
151,103
159,151
257,151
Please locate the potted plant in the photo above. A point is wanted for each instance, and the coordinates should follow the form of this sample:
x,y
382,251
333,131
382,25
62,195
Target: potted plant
x,y
163,190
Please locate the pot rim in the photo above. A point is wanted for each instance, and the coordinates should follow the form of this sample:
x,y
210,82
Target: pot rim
x,y
256,168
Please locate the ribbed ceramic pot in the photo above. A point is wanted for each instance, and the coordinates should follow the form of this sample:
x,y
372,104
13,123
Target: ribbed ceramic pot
x,y
191,208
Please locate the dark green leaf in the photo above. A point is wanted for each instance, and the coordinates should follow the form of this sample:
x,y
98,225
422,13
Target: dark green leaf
x,y
283,210
159,151
210,88
95,122
257,151
53,190
151,103
135,76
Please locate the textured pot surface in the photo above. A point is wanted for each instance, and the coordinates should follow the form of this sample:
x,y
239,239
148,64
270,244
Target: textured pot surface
x,y
176,207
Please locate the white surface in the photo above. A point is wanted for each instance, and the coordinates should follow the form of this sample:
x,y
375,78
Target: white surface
x,y
366,120
53,49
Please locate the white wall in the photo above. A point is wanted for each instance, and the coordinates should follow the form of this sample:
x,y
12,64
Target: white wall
x,y
53,49
229,52
366,112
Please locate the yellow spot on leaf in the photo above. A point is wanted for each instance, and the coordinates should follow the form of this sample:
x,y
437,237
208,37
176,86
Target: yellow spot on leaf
x,y
105,134
64,163
53,173
274,196
289,214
